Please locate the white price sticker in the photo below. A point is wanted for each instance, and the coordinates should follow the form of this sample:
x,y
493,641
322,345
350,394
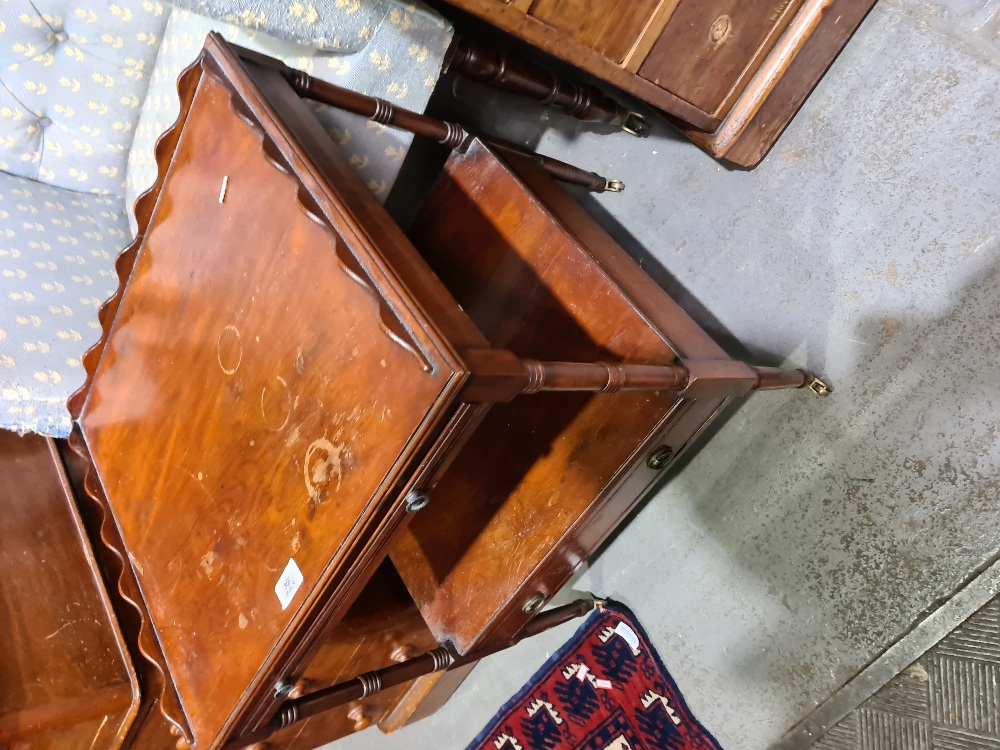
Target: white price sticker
x,y
288,584
629,635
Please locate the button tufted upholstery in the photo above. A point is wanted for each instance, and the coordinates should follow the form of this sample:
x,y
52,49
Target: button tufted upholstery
x,y
344,26
73,75
57,250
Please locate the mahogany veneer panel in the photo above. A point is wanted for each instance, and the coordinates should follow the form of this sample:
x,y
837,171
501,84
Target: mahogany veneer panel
x,y
543,480
709,50
606,26
66,680
224,420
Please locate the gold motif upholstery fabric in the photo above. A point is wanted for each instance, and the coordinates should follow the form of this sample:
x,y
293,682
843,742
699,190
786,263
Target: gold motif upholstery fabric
x,y
73,76
57,251
344,26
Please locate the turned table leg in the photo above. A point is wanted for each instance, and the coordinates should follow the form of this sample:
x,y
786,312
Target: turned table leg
x,y
500,70
440,659
450,134
775,378
603,377
498,375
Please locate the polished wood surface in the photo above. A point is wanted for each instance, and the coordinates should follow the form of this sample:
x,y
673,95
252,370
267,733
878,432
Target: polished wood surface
x,y
160,720
730,75
708,51
271,457
284,384
383,627
66,680
537,485
605,26
650,33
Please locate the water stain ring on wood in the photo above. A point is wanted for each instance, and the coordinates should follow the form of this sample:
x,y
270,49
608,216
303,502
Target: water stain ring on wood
x,y
230,349
276,404
323,464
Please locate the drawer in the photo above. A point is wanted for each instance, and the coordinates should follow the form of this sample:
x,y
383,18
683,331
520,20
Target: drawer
x,y
710,49
606,26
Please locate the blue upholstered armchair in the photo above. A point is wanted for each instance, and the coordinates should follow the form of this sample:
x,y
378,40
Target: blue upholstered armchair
x,y
86,87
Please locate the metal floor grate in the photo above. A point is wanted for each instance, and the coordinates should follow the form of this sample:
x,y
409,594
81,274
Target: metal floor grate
x,y
948,699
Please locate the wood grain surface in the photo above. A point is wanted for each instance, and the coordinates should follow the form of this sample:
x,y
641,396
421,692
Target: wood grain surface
x,y
606,26
161,714
537,484
710,48
66,680
257,401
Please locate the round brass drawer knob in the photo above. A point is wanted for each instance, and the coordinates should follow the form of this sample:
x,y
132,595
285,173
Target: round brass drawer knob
x,y
660,457
416,500
534,604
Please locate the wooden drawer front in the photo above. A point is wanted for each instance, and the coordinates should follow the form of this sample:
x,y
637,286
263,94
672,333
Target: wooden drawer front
x,y
606,26
680,430
710,48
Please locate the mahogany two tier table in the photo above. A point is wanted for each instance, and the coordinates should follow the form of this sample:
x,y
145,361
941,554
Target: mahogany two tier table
x,y
314,438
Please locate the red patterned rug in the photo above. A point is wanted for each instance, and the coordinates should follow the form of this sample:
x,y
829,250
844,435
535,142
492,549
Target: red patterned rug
x,y
606,689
